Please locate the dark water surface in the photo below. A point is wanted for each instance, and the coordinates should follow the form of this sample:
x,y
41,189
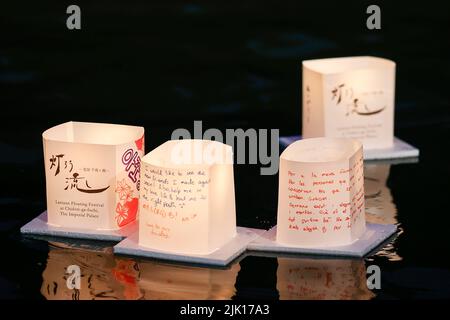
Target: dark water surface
x,y
238,65
414,265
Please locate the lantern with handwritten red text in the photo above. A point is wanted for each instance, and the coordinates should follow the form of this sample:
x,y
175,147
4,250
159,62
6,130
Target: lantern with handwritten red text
x,y
321,193
175,282
187,197
351,97
92,174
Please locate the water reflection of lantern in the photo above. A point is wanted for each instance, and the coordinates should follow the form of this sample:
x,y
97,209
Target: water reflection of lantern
x,y
322,279
102,275
380,206
106,277
321,193
165,281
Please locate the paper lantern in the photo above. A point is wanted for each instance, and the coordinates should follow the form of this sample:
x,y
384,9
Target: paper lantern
x,y
322,279
187,197
321,193
169,282
92,173
350,97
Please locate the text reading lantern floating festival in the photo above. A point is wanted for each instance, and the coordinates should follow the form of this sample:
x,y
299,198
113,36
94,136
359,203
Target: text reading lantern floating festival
x,y
187,197
351,97
93,174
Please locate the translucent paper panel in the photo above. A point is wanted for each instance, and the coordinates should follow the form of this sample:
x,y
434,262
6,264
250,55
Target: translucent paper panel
x,y
92,173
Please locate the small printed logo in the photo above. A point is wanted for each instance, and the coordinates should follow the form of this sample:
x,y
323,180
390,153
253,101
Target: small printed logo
x,y
74,279
374,20
374,278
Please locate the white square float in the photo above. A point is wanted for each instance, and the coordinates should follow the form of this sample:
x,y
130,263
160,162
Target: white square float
x,y
374,236
39,226
220,257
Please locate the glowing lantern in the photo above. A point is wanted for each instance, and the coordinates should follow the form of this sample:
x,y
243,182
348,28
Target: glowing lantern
x,y
350,97
187,197
93,174
321,193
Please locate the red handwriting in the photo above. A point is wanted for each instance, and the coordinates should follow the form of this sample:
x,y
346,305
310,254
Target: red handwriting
x,y
318,183
328,205
297,205
298,190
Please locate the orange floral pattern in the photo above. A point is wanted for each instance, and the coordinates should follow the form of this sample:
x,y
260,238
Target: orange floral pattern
x,y
126,208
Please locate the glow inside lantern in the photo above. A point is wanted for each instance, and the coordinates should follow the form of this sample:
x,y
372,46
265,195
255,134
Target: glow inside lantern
x,y
92,174
321,193
350,97
187,197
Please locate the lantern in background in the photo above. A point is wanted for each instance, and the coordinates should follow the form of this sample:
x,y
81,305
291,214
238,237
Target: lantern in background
x,y
92,173
350,97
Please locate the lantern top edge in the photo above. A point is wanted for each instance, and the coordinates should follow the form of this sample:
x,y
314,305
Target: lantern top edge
x,y
93,133
344,64
322,150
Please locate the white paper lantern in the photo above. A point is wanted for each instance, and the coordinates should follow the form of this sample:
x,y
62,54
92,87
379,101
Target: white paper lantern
x,y
92,173
187,197
321,193
350,97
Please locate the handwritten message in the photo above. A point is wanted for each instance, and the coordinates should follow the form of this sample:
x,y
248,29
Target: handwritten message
x,y
325,201
173,197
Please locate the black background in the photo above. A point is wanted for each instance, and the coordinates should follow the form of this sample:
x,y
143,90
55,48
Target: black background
x,y
162,65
